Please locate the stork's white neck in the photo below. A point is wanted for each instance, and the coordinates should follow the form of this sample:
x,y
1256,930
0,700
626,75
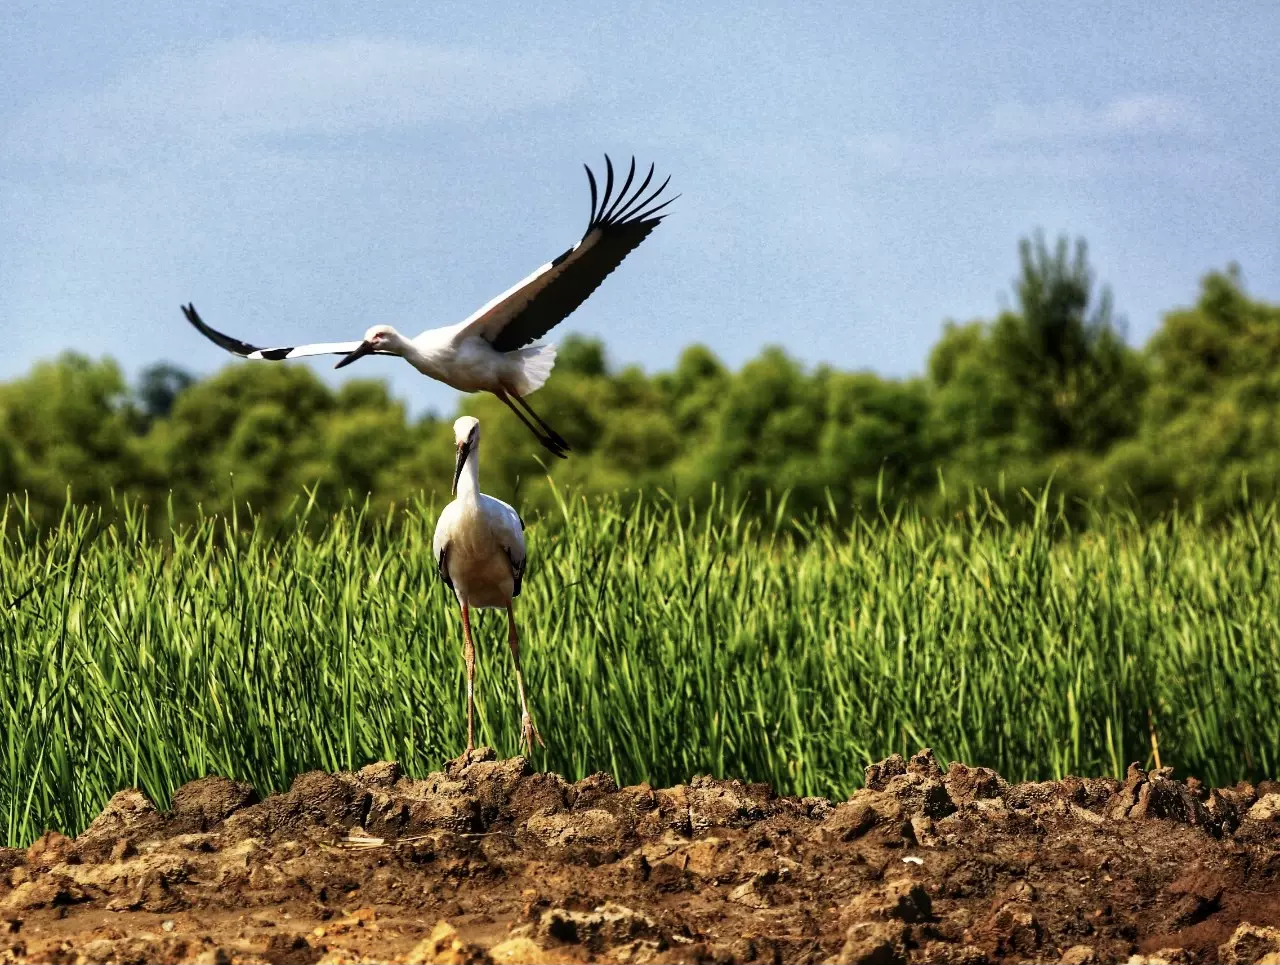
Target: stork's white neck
x,y
406,349
426,359
469,481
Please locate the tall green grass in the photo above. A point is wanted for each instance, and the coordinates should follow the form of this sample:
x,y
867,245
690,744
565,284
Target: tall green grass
x,y
659,643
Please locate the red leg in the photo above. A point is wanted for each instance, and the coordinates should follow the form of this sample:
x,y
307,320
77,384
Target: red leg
x,y
550,433
528,731
549,444
469,655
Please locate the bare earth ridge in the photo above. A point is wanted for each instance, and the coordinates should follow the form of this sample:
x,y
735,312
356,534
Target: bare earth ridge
x,y
490,862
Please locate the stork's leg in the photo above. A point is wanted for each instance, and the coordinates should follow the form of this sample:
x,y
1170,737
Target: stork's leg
x,y
551,433
529,732
469,655
549,444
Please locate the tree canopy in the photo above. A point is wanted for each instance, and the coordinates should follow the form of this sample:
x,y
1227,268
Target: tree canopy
x,y
1048,389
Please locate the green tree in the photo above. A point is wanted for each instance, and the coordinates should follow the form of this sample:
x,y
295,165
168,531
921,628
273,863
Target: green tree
x,y
159,387
67,426
1077,381
874,443
1211,422
1043,391
248,436
1047,390
359,447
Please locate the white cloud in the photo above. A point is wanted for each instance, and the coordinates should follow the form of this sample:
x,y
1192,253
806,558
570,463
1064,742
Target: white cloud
x,y
1062,139
1150,112
1069,120
250,88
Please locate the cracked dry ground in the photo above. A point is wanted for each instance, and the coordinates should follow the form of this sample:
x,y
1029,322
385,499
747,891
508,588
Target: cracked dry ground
x,y
489,861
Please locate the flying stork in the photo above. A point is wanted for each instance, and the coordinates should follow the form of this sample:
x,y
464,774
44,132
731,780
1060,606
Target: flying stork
x,y
490,351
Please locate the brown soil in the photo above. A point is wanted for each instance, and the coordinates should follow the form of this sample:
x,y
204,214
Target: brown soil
x,y
491,862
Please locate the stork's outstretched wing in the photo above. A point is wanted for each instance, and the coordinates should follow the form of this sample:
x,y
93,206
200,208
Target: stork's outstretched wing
x,y
247,351
532,308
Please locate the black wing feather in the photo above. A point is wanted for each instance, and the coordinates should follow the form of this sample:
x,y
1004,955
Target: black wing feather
x,y
621,231
622,193
232,345
442,566
244,349
517,572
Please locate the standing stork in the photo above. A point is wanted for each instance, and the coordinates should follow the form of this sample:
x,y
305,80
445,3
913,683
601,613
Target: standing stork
x,y
480,554
490,351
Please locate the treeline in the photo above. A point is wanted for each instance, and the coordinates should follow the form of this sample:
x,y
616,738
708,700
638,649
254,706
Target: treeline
x,y
1047,392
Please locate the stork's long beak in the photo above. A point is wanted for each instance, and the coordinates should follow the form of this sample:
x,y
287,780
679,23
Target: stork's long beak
x,y
464,449
364,349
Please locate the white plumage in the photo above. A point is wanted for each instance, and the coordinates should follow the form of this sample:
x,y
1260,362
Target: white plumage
x,y
490,351
480,554
486,552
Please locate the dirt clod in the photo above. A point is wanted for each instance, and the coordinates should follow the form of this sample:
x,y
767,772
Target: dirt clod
x,y
205,804
874,943
1079,955
1249,944
446,947
488,861
1267,808
127,811
903,900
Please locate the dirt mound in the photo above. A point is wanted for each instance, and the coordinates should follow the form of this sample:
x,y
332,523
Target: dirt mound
x,y
490,862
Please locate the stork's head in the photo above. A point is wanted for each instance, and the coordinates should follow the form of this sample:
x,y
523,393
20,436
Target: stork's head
x,y
466,437
380,338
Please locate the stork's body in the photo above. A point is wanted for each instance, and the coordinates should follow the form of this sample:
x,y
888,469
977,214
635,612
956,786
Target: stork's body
x,y
480,554
491,350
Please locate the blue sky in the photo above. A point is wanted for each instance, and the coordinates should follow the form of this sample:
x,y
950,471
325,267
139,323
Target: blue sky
x,y
852,174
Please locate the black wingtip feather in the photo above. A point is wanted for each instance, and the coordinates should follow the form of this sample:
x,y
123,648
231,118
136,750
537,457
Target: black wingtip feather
x,y
638,205
615,229
646,215
639,191
592,179
622,193
226,342
626,206
442,567
608,188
